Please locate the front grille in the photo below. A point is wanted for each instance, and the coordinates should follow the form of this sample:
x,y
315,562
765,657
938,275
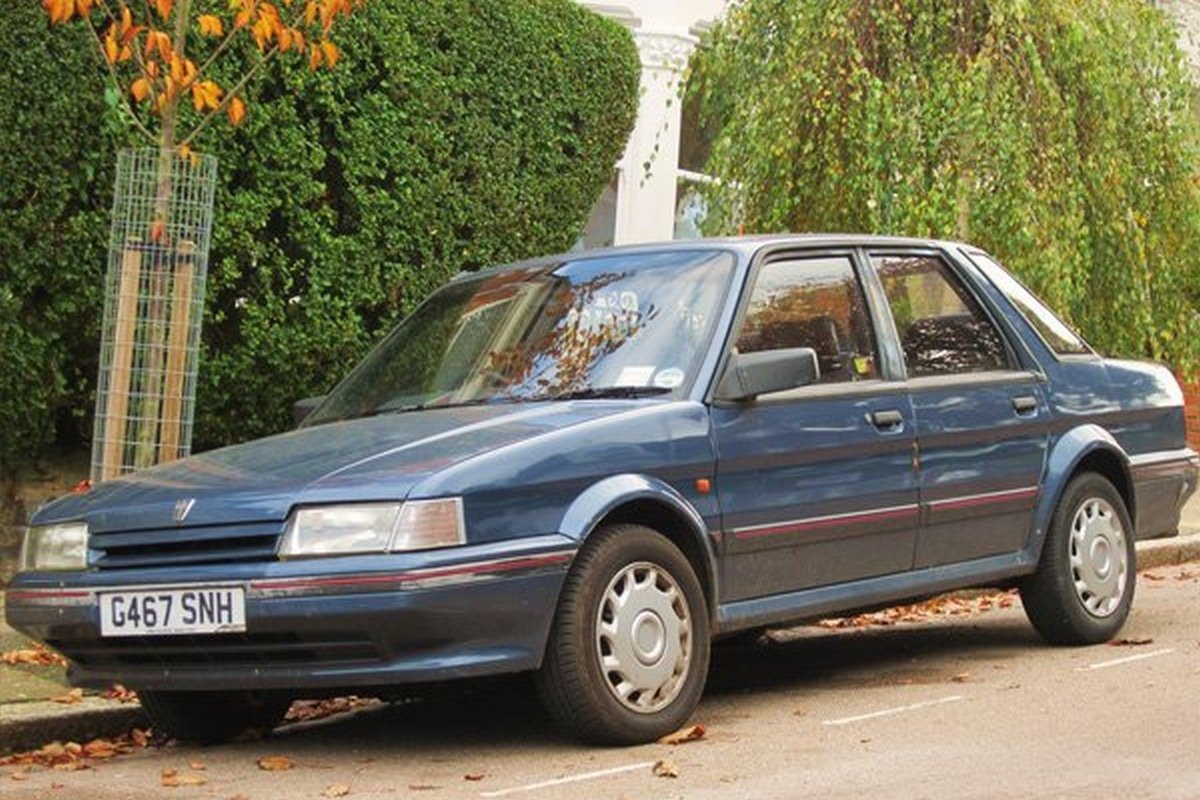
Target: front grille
x,y
227,649
182,546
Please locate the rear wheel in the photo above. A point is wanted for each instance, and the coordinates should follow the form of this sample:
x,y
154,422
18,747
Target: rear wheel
x,y
628,652
211,717
1083,588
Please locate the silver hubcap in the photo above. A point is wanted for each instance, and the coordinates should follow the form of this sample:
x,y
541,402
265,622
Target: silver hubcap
x,y
1099,563
644,637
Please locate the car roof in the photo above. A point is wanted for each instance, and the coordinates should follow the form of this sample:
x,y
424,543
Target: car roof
x,y
746,246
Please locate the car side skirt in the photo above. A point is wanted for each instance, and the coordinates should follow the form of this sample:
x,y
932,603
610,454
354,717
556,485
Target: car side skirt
x,y
795,607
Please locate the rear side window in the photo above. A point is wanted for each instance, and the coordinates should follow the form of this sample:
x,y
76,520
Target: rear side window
x,y
1058,337
812,302
942,329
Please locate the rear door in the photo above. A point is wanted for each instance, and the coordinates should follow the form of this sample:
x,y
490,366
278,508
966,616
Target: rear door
x,y
816,484
981,416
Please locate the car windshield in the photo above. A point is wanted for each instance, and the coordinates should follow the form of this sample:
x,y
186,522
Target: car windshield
x,y
621,325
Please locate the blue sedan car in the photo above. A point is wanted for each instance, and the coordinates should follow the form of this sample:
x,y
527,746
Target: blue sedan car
x,y
591,466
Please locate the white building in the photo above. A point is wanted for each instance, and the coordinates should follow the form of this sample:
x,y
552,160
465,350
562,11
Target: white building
x,y
641,204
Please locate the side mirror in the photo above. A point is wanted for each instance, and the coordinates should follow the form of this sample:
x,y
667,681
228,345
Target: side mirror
x,y
302,408
747,375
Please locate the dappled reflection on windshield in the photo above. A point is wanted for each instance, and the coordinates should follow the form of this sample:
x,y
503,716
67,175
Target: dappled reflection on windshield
x,y
637,323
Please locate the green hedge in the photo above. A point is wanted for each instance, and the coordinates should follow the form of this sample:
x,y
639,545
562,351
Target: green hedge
x,y
1056,134
453,134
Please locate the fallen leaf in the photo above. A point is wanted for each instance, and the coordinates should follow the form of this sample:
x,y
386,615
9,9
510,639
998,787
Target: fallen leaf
x,y
336,790
275,763
197,765
691,733
38,655
1130,642
120,694
71,766
73,696
961,677
473,776
173,778
100,748
665,769
307,710
18,776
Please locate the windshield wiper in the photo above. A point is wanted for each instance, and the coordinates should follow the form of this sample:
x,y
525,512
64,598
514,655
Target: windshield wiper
x,y
604,392
404,409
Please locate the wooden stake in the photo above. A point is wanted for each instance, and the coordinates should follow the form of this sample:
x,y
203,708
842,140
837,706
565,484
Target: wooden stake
x,y
177,347
116,410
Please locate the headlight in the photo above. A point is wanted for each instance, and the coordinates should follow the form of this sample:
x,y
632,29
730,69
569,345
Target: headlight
x,y
374,528
55,547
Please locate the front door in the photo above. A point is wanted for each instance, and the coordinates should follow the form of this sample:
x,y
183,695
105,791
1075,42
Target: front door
x,y
980,417
816,484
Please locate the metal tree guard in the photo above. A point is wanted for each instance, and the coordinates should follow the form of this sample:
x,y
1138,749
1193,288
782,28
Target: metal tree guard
x,y
153,309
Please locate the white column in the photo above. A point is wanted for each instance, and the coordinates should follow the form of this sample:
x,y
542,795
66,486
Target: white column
x,y
647,172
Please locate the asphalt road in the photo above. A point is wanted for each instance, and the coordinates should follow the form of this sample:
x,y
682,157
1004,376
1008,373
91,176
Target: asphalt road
x,y
947,705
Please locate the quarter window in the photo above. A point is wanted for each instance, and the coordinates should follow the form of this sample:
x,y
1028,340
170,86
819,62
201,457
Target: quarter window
x,y
817,303
1054,331
942,329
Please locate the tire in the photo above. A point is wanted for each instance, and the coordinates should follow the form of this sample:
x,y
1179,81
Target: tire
x,y
212,717
1085,581
593,657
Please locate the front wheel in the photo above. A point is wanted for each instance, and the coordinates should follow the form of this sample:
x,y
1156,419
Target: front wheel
x,y
212,717
628,652
1083,588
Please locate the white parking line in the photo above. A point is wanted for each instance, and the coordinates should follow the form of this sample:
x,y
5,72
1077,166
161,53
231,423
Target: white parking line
x,y
583,776
1118,661
887,712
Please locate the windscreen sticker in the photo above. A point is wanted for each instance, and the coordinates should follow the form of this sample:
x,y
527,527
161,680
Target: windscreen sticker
x,y
668,378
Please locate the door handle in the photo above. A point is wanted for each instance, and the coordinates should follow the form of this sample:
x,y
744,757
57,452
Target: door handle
x,y
1025,404
886,420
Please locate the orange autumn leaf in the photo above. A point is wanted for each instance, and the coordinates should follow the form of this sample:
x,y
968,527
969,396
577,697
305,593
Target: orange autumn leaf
x,y
236,111
314,58
84,7
331,53
275,763
163,7
140,89
206,95
59,10
210,25
111,49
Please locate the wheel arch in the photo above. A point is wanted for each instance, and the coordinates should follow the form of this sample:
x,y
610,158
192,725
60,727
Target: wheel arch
x,y
1086,448
648,501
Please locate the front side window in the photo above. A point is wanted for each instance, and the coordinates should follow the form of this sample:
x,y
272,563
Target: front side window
x,y
623,324
1060,338
817,303
942,329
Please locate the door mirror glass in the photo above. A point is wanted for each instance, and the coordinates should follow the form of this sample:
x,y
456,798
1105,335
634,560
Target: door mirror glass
x,y
747,375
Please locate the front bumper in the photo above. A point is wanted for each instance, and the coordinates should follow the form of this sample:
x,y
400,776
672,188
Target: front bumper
x,y
317,624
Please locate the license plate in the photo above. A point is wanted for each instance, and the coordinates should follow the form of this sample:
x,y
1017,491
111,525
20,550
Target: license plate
x,y
164,612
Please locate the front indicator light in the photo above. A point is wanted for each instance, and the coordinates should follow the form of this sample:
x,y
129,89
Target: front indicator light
x,y
426,524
